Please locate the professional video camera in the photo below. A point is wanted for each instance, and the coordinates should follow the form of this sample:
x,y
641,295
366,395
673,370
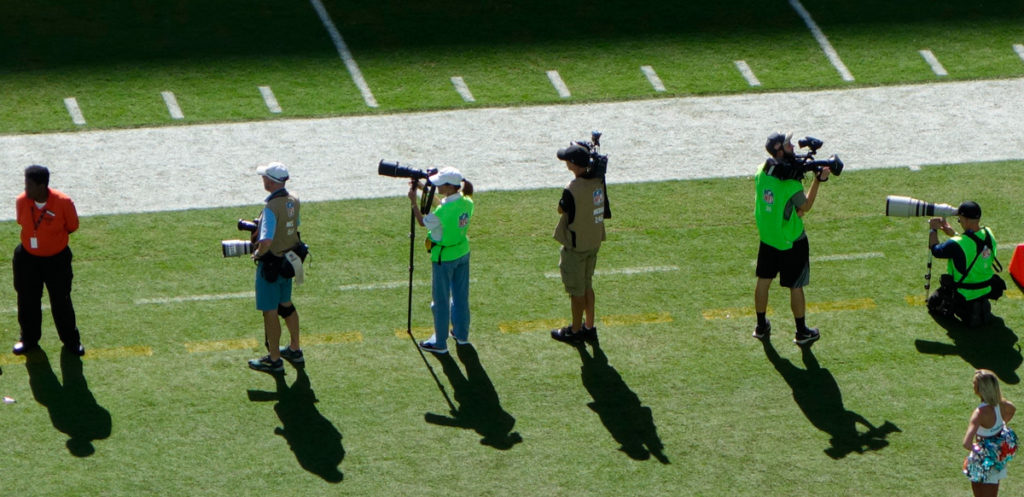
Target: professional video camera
x,y
898,206
237,248
802,164
598,166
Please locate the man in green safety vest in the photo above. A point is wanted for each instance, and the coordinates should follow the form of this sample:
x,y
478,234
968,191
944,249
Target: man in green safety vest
x,y
971,280
779,209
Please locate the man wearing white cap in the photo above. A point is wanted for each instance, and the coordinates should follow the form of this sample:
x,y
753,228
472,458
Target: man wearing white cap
x,y
449,256
277,233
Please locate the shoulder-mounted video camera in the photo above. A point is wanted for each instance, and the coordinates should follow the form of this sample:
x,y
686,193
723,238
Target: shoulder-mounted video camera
x,y
598,164
797,166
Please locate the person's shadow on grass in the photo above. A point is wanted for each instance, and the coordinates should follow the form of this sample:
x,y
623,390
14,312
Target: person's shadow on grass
x,y
993,346
312,437
817,394
73,408
479,406
625,417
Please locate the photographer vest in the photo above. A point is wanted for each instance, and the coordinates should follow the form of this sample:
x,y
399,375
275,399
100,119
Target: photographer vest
x,y
454,216
585,230
981,272
778,223
286,211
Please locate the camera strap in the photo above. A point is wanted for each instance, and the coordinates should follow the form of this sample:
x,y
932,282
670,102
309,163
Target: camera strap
x,y
981,245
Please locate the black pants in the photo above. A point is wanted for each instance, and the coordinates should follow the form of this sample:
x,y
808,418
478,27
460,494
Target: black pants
x,y
31,273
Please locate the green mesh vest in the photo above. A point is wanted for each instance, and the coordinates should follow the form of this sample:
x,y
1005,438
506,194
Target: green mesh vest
x,y
982,269
769,210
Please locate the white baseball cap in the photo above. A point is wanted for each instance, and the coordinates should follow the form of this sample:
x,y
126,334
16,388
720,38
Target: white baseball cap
x,y
276,171
446,176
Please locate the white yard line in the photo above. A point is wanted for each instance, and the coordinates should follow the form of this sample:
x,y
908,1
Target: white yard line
x,y
462,88
172,105
848,257
344,53
624,271
933,61
195,298
270,99
1019,48
747,72
826,46
560,86
74,110
653,78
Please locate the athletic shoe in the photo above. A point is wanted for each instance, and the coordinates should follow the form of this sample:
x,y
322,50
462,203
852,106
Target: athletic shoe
x,y
22,348
78,350
763,332
565,334
432,347
266,365
292,356
807,336
460,342
590,334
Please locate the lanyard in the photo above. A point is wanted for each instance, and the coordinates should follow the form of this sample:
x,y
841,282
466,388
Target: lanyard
x,y
37,222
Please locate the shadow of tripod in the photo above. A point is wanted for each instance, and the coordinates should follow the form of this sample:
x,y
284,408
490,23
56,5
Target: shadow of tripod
x,y
73,408
625,417
479,406
817,394
312,437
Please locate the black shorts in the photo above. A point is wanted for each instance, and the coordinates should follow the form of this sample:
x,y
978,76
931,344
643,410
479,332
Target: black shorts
x,y
793,264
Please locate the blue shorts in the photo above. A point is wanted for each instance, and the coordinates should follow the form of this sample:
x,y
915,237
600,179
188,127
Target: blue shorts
x,y
270,295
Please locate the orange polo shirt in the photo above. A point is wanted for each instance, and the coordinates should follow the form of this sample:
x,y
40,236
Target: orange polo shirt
x,y
49,226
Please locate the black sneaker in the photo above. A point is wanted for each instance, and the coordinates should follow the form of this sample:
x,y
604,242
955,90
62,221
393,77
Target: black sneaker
x,y
565,334
266,365
590,334
763,332
292,356
807,336
432,347
22,348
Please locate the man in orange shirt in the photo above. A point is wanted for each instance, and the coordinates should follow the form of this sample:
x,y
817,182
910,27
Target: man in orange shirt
x,y
47,217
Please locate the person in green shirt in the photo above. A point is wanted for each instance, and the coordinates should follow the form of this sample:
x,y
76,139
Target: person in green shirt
x,y
449,256
968,286
780,206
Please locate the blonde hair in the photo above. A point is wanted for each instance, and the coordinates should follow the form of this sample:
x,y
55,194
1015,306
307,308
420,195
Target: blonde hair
x,y
987,386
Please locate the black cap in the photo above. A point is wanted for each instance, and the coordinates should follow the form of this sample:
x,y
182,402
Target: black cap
x,y
775,142
576,154
969,209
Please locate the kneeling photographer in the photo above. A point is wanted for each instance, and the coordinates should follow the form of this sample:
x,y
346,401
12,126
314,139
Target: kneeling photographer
x,y
276,235
970,281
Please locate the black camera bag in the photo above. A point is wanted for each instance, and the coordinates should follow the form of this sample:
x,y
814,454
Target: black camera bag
x,y
286,268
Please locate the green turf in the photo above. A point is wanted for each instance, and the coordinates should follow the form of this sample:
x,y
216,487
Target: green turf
x,y
116,58
536,417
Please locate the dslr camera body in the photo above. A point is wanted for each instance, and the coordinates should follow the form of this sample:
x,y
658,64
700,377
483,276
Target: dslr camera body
x,y
238,248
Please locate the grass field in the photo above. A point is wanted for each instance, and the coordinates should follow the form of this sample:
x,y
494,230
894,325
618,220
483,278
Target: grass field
x,y
117,58
677,399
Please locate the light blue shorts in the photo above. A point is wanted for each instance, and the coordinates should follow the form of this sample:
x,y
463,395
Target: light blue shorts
x,y
270,295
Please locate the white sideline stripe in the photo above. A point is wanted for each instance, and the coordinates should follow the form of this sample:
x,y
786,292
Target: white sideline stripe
x,y
556,81
826,46
914,168
933,61
387,285
344,53
1017,47
626,271
747,73
270,99
463,89
847,257
71,103
653,78
172,105
195,298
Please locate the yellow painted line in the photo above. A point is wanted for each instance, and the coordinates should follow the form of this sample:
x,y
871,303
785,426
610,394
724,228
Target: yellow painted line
x,y
842,305
748,311
631,319
915,300
111,353
535,325
252,343
418,332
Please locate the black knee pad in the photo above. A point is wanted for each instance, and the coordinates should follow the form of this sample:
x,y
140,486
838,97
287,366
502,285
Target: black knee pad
x,y
284,312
